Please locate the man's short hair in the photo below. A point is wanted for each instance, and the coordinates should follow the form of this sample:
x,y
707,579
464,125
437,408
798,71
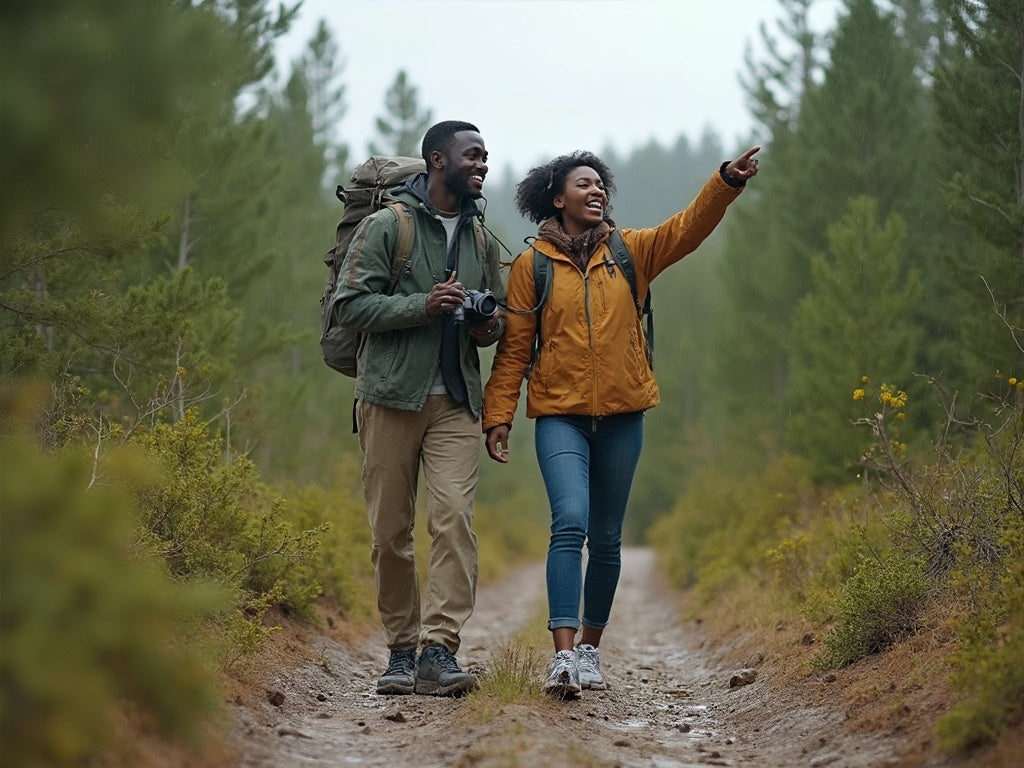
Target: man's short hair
x,y
439,137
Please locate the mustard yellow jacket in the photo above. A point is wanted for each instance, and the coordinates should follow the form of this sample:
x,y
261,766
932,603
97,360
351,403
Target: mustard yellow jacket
x,y
592,359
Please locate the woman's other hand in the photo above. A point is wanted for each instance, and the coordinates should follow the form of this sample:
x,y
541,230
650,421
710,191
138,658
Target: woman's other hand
x,y
497,443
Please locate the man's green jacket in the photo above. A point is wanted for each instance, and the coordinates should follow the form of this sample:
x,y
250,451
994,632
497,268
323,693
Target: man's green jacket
x,y
402,346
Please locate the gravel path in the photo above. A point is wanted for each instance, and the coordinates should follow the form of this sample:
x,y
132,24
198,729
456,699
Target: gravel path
x,y
670,702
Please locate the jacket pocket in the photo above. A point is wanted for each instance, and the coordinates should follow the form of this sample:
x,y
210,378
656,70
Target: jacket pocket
x,y
382,354
636,363
542,370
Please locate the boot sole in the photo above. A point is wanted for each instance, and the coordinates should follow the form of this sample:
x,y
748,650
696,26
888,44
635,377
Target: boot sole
x,y
395,689
433,688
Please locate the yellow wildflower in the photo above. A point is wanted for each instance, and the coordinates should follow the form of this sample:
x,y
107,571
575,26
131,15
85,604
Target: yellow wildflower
x,y
858,394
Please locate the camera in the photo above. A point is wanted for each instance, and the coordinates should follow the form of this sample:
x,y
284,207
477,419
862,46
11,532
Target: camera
x,y
480,305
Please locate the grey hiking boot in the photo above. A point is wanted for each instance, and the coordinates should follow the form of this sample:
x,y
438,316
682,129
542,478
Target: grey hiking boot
x,y
563,678
588,664
438,674
400,676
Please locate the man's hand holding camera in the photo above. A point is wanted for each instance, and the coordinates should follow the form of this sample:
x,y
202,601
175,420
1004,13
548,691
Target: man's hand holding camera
x,y
479,310
445,297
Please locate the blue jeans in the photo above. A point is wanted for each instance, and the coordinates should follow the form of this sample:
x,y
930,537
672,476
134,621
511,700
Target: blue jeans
x,y
588,467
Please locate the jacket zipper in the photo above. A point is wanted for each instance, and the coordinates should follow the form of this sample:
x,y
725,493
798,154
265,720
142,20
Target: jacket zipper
x,y
593,356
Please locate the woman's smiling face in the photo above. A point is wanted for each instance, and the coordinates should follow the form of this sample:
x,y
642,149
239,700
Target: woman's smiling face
x,y
583,200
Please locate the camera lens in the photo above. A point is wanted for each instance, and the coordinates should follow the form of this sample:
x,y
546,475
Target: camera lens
x,y
486,304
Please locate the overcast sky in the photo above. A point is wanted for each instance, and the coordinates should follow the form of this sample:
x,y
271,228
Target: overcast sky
x,y
544,77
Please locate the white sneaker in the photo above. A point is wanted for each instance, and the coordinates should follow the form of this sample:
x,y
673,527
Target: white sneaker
x,y
588,665
563,680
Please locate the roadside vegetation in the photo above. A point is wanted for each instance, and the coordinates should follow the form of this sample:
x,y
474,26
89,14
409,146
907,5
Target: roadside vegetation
x,y
928,543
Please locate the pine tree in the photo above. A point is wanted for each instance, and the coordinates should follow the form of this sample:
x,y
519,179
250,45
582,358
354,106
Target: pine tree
x,y
871,124
861,130
60,60
921,27
77,299
776,84
226,176
404,124
979,92
321,69
854,322
282,310
762,272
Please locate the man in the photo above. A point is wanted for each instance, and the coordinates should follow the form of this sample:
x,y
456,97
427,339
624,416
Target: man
x,y
419,402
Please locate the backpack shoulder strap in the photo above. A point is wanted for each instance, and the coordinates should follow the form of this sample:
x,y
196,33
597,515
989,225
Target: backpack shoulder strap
x,y
541,290
541,279
481,238
403,243
624,259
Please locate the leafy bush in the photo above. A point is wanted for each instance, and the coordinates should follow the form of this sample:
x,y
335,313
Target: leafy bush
x,y
343,564
963,513
791,564
89,620
210,516
876,608
717,530
989,660
947,505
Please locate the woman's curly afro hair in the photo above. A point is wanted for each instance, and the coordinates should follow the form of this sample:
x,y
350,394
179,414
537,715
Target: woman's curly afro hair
x,y
536,193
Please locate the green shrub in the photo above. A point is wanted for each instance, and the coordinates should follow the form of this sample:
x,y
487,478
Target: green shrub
x,y
989,660
716,532
876,608
791,566
211,517
343,564
89,620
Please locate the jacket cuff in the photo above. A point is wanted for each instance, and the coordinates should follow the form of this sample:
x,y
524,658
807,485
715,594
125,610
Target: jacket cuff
x,y
732,181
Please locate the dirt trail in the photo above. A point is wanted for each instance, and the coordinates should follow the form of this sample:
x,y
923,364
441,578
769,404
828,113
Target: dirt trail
x,y
669,702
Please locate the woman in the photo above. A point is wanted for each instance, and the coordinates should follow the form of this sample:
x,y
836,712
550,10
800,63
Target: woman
x,y
590,383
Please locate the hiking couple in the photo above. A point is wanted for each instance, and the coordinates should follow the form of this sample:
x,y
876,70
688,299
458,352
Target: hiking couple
x,y
421,403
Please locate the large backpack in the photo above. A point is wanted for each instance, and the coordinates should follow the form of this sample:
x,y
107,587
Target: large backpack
x,y
364,195
341,347
624,259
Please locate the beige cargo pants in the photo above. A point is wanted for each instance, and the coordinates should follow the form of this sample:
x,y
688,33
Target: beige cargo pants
x,y
445,438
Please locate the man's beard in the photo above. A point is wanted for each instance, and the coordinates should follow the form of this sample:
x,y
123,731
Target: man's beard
x,y
457,183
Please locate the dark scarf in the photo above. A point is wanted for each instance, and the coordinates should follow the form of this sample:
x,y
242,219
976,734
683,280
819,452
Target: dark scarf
x,y
579,247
